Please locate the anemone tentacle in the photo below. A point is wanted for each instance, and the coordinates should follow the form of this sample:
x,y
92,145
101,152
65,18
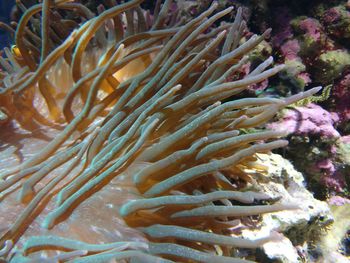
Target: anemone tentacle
x,y
120,91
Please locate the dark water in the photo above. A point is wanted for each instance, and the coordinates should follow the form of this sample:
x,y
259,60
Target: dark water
x,y
5,11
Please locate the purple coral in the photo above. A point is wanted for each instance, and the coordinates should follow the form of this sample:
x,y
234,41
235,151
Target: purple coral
x,y
331,16
311,28
336,20
308,120
331,177
345,139
322,159
290,49
338,200
341,96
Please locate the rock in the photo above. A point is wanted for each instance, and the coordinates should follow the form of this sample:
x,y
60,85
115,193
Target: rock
x,y
299,227
307,120
331,64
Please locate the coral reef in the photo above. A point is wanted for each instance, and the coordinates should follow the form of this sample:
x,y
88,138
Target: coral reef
x,y
340,100
312,131
311,47
312,39
146,155
308,120
299,230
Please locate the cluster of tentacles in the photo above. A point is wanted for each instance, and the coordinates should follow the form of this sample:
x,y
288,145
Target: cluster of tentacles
x,y
124,89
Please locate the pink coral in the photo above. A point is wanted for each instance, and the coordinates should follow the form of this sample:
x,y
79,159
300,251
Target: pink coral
x,y
311,119
305,77
290,49
334,181
336,20
338,200
330,176
327,165
341,94
345,139
312,28
331,15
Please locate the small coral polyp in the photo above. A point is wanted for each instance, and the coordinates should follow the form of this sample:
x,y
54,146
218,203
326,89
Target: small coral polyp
x,y
146,160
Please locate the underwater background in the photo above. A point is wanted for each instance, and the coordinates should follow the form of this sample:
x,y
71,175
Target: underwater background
x,y
5,12
312,39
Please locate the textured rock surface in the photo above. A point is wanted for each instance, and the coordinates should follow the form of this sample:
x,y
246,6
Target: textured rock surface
x,y
300,226
307,120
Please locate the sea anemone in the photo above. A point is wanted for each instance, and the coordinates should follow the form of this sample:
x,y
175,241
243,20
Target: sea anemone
x,y
147,159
